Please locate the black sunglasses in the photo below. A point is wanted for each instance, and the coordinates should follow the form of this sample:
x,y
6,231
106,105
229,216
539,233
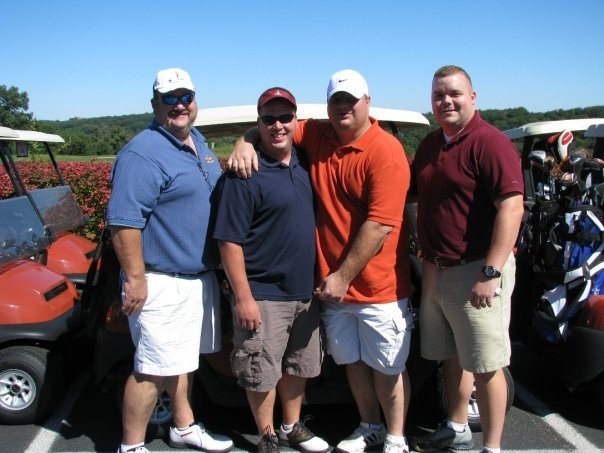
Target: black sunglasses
x,y
269,120
172,99
343,98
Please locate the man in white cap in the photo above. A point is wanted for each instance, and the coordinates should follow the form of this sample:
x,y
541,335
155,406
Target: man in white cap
x,y
158,214
360,176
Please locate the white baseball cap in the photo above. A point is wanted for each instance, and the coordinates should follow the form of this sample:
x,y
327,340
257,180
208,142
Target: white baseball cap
x,y
172,79
349,81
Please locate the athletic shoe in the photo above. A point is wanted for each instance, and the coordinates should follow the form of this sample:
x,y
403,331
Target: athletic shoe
x,y
269,443
360,439
301,438
394,445
198,438
443,437
139,449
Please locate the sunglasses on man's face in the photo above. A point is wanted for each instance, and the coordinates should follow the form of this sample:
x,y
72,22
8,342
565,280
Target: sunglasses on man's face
x,y
342,99
172,99
269,120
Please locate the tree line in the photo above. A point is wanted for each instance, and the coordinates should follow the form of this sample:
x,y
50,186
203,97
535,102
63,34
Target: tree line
x,y
102,136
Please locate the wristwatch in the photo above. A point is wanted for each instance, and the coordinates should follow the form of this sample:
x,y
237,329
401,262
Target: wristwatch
x,y
490,272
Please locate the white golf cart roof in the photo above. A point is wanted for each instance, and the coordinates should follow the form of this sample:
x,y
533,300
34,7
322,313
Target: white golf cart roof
x,y
595,130
550,127
29,136
235,120
6,133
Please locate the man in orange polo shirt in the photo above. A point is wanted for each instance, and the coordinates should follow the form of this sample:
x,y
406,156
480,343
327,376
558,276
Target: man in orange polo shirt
x,y
360,177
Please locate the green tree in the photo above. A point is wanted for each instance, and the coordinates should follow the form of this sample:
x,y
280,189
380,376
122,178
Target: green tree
x,y
76,143
13,108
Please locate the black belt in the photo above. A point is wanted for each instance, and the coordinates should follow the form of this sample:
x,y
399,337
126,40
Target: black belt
x,y
178,274
443,263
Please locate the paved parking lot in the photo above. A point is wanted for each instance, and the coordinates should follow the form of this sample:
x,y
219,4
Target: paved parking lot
x,y
544,418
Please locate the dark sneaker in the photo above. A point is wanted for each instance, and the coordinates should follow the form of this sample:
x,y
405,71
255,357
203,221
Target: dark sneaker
x,y
360,439
301,438
269,443
442,438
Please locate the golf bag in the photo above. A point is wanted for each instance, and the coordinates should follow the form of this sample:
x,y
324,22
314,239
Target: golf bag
x,y
568,260
562,233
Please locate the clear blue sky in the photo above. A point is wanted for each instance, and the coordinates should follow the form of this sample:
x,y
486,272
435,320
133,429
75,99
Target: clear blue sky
x,y
99,58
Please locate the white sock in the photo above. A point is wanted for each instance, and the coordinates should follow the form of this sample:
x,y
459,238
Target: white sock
x,y
185,428
287,428
397,439
458,427
491,450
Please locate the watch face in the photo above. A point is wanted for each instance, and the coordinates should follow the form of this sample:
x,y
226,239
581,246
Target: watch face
x,y
490,271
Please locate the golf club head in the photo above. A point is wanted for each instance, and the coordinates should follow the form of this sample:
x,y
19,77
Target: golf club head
x,y
537,158
568,179
549,163
598,161
559,144
577,156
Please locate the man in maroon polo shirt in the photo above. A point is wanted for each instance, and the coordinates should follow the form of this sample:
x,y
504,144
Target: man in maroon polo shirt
x,y
468,181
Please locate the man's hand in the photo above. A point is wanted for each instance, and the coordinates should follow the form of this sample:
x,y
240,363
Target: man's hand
x,y
136,292
333,288
243,158
248,314
483,292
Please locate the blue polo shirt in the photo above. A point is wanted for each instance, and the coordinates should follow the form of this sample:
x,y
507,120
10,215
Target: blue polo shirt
x,y
272,216
160,186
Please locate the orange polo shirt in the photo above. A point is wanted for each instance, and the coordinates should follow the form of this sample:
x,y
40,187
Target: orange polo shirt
x,y
367,180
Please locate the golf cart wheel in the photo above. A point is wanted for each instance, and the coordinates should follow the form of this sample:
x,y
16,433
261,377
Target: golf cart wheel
x,y
30,384
473,412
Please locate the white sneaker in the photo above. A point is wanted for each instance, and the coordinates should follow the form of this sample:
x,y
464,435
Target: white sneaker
x,y
140,449
395,445
198,438
361,438
303,439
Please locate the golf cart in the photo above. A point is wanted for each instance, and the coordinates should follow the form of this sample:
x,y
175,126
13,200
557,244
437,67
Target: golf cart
x,y
68,253
560,248
39,313
114,350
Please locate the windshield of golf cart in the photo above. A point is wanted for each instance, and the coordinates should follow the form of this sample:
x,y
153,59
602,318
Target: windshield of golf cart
x,y
56,205
22,234
234,121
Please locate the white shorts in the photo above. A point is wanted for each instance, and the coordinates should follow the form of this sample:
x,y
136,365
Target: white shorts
x,y
180,320
377,334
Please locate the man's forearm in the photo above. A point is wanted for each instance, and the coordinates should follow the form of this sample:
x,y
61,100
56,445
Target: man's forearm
x,y
366,245
127,243
505,230
233,262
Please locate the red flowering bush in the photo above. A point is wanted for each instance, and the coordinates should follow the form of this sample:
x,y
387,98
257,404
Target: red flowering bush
x,y
89,182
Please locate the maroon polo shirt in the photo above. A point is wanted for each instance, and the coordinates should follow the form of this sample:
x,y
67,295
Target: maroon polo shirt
x,y
456,184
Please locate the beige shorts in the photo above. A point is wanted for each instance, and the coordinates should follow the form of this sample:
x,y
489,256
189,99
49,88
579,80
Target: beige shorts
x,y
180,319
288,341
450,325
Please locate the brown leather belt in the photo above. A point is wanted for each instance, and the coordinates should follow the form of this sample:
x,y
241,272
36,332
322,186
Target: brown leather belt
x,y
443,263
